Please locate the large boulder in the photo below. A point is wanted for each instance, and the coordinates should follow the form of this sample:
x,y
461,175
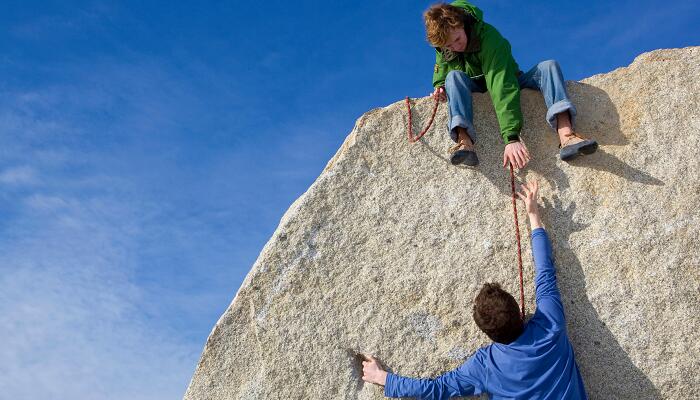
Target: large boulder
x,y
386,251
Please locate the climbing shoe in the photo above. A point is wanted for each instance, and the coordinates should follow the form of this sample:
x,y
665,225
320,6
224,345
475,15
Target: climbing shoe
x,y
585,146
463,153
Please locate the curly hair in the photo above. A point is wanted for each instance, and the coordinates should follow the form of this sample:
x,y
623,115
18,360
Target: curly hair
x,y
440,19
496,314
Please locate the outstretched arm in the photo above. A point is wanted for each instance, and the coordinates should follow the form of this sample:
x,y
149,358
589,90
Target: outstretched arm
x,y
547,293
463,381
528,194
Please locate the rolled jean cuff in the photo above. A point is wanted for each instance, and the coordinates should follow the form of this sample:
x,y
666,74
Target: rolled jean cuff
x,y
559,107
459,121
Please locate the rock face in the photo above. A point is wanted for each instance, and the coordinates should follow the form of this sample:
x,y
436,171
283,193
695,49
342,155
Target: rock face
x,y
387,249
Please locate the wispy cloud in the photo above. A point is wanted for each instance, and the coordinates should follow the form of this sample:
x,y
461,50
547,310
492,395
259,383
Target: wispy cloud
x,y
19,175
62,22
77,320
70,312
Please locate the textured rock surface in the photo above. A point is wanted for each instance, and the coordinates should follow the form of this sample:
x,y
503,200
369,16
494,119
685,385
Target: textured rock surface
x,y
386,250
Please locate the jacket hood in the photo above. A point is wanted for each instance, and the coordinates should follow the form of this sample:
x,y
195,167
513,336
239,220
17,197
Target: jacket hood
x,y
471,9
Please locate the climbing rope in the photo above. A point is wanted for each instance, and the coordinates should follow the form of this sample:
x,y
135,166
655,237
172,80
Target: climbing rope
x,y
517,237
410,119
413,139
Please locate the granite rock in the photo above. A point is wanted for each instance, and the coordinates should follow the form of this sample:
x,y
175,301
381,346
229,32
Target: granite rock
x,y
386,250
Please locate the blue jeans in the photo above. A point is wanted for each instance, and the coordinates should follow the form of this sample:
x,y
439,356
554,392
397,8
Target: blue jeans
x,y
545,77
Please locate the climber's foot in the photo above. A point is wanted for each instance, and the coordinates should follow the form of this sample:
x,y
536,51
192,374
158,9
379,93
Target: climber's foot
x,y
463,152
573,145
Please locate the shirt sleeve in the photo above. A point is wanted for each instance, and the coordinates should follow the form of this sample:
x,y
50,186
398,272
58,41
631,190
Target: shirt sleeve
x,y
463,381
501,74
440,70
547,293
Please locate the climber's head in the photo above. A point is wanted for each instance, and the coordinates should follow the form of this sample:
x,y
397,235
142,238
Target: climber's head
x,y
444,24
496,313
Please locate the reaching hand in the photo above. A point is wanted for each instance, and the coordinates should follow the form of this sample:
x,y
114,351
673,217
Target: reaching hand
x,y
440,91
516,153
528,194
372,372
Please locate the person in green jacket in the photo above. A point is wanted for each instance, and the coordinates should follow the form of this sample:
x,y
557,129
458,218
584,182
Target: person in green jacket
x,y
472,56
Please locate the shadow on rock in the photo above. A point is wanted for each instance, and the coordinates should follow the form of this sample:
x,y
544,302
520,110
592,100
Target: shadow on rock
x,y
603,161
607,370
597,118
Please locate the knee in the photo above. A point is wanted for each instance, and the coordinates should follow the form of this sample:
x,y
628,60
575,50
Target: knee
x,y
455,78
549,65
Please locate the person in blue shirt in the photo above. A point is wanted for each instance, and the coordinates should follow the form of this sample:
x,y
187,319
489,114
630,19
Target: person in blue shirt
x,y
532,360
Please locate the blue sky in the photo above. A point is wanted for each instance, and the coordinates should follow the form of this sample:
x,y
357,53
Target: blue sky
x,y
149,149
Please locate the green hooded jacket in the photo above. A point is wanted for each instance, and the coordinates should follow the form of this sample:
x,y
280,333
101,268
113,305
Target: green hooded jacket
x,y
487,57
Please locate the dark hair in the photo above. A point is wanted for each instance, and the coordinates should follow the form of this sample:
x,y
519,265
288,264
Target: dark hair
x,y
496,313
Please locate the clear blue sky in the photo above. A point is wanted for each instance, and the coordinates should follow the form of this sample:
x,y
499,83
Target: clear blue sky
x,y
149,149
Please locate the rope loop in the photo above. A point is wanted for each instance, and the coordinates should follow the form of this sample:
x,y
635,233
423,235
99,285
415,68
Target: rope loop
x,y
411,138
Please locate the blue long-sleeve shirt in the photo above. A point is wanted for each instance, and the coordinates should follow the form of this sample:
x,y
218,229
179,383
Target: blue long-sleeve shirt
x,y
540,364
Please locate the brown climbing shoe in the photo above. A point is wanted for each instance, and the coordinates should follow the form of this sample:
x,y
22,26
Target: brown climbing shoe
x,y
568,150
463,153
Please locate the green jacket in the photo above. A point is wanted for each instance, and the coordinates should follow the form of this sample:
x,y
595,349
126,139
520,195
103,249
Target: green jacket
x,y
487,57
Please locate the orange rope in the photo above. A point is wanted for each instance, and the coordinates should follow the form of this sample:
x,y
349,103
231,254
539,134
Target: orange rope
x,y
517,237
413,139
410,120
